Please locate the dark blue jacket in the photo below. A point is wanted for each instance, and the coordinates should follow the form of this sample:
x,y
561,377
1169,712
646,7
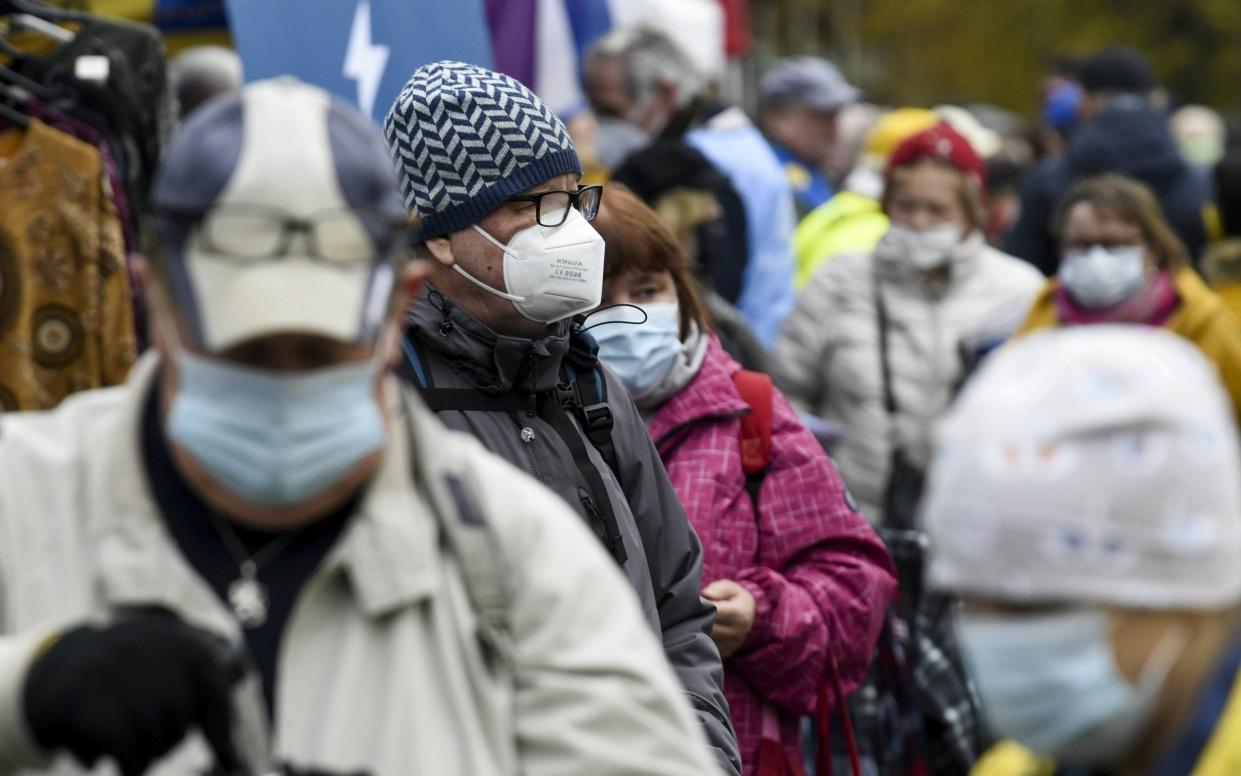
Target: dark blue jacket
x,y
1132,141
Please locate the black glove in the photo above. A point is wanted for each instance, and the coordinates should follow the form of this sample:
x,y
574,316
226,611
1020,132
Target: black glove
x,y
131,691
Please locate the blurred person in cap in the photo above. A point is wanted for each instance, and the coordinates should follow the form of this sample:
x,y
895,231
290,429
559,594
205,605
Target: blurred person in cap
x,y
799,101
1200,134
489,176
1003,178
1221,265
639,76
1121,263
1084,501
798,576
261,504
852,221
203,72
1123,130
879,341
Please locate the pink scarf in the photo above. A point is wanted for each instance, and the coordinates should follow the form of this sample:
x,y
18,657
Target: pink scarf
x,y
1153,305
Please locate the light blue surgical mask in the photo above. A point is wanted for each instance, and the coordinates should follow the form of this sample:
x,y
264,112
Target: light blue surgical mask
x,y
1051,682
641,354
275,438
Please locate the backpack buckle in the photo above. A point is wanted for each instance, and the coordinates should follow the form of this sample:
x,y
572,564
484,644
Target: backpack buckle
x,y
566,395
598,418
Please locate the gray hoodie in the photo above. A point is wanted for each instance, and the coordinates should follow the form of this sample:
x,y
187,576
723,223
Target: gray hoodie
x,y
664,563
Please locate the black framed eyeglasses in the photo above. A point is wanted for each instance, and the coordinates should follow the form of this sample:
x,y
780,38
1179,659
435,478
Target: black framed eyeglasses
x,y
257,232
551,208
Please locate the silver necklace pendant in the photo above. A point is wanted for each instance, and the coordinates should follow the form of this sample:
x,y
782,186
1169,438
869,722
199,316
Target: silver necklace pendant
x,y
248,598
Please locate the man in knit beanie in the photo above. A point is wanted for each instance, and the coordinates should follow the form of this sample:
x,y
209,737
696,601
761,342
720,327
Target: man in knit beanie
x,y
489,176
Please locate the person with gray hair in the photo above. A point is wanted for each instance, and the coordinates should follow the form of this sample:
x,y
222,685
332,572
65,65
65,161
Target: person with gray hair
x,y
640,75
644,87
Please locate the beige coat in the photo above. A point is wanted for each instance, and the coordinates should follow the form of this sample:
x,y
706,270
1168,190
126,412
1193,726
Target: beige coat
x,y
396,683
827,357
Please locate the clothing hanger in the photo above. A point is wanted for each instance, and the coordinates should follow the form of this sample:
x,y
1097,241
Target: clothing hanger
x,y
10,113
42,26
43,10
33,87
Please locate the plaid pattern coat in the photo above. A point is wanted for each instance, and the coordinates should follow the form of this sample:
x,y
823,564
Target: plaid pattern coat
x,y
819,575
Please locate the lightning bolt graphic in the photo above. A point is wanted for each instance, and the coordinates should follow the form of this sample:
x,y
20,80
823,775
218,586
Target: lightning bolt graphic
x,y
364,60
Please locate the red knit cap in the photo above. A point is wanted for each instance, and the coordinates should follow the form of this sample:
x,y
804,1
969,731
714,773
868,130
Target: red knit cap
x,y
944,143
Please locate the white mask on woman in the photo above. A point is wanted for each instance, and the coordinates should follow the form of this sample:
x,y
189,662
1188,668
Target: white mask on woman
x,y
925,249
1100,277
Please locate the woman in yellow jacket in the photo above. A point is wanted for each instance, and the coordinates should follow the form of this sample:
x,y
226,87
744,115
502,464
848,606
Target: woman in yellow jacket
x,y
1121,263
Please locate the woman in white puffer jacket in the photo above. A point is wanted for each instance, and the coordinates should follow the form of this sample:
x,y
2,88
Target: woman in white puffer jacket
x,y
946,296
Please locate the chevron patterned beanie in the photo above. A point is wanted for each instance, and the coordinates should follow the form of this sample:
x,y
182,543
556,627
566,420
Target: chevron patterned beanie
x,y
465,139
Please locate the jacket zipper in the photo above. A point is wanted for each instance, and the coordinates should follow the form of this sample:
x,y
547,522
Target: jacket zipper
x,y
528,436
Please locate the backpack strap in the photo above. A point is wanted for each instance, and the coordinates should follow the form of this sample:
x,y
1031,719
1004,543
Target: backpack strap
x,y
585,391
832,695
756,390
585,398
413,370
468,536
600,512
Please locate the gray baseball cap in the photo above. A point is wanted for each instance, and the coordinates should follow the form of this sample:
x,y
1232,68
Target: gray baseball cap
x,y
810,81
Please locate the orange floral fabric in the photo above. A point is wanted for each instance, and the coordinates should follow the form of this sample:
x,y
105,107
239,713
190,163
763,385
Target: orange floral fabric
x,y
66,314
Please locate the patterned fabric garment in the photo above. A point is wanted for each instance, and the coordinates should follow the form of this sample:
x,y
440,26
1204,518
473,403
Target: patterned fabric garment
x,y
66,317
819,575
918,711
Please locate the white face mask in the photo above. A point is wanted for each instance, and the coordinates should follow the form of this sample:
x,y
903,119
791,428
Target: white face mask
x,y
925,249
1103,277
552,272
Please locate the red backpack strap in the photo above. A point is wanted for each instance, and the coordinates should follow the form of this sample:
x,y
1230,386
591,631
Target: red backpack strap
x,y
756,390
832,695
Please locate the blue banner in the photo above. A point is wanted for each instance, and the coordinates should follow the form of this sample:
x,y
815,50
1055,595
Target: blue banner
x,y
362,50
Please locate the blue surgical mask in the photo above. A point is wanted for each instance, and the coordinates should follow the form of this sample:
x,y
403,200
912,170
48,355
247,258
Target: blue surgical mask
x,y
641,354
275,438
1051,682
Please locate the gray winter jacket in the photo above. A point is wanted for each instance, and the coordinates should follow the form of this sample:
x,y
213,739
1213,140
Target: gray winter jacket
x,y
664,557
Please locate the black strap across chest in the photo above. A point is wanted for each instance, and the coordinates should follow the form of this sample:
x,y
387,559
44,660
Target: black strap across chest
x,y
581,394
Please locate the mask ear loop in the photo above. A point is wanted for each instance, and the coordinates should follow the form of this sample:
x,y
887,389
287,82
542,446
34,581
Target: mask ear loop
x,y
461,271
1163,658
645,317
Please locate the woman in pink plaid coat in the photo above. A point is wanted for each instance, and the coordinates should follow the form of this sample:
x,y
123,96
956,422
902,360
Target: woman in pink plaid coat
x,y
797,578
